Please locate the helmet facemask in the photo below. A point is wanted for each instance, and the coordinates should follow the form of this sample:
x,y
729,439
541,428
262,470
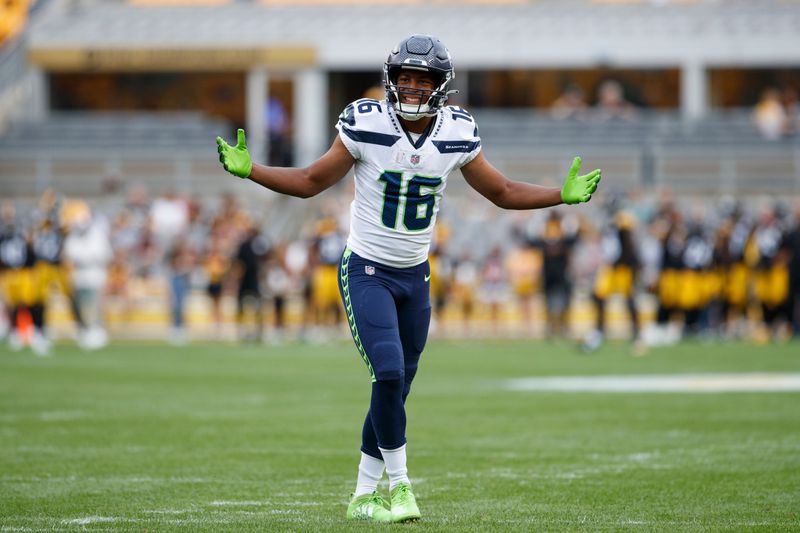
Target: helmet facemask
x,y
431,101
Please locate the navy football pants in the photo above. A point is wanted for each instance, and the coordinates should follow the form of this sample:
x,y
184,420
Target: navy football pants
x,y
389,312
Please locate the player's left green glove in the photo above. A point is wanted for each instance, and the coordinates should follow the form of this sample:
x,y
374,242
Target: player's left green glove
x,y
579,189
235,159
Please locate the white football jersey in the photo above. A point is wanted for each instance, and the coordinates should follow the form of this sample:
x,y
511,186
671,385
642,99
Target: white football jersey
x,y
399,182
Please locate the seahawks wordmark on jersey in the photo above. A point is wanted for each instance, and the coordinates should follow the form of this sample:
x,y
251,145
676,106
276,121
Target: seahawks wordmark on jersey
x,y
400,180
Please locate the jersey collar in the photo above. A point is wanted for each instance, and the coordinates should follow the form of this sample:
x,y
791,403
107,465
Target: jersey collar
x,y
425,134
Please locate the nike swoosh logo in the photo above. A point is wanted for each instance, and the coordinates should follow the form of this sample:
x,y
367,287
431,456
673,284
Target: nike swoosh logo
x,y
427,277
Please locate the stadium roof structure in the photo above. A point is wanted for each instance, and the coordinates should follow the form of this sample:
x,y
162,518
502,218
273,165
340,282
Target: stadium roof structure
x,y
342,36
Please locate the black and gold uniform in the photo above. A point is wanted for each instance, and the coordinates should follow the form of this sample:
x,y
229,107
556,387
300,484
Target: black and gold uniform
x,y
617,275
441,270
793,249
50,272
771,269
17,273
441,279
696,287
673,244
736,290
556,244
326,254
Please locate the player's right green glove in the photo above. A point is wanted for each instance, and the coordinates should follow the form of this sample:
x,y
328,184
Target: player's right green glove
x,y
235,159
579,189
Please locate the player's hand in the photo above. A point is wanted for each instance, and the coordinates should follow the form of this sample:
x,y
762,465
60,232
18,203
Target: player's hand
x,y
235,159
579,189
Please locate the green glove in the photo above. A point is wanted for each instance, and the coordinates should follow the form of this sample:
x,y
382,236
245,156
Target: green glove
x,y
579,189
235,159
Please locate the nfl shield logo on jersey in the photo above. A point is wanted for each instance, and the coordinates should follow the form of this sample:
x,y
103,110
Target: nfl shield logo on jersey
x,y
414,159
370,270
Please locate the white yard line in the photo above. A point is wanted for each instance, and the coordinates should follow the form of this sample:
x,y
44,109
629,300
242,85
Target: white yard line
x,y
264,503
229,503
91,520
688,383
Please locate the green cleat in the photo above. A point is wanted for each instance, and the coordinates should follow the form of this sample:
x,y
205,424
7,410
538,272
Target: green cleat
x,y
404,504
369,507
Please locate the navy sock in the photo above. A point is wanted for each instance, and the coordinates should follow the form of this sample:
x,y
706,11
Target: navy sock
x,y
388,413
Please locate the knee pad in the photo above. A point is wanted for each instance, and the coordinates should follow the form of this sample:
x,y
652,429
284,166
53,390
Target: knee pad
x,y
387,361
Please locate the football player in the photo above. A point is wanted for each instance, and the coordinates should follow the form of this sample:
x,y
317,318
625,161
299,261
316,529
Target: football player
x,y
403,148
617,275
19,280
326,252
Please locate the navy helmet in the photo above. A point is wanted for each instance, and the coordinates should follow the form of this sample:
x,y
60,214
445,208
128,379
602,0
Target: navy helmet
x,y
424,53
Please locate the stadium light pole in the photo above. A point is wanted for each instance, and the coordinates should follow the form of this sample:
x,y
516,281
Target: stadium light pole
x,y
694,89
310,128
256,98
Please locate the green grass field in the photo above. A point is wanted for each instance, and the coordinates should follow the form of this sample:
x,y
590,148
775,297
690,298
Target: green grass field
x,y
145,437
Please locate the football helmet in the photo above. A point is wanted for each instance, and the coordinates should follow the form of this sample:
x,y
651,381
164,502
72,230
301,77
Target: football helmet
x,y
425,53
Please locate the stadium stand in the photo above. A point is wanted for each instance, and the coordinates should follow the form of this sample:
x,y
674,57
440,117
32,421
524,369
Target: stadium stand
x,y
87,150
722,153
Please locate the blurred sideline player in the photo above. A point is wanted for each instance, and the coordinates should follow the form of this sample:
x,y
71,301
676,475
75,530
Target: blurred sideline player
x,y
770,261
326,252
51,272
18,282
494,277
556,242
524,265
403,149
248,268
465,286
696,281
671,234
216,264
616,276
87,252
441,276
738,278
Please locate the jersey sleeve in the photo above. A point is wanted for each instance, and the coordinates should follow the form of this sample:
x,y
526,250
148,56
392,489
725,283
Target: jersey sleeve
x,y
465,133
346,125
475,141
364,123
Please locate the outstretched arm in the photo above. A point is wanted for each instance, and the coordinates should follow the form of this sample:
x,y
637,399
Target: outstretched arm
x,y
300,182
501,191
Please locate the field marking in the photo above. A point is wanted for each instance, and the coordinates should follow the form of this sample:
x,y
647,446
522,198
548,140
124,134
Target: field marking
x,y
226,503
254,503
63,415
692,383
90,520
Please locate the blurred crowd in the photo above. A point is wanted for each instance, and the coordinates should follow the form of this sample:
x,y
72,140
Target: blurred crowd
x,y
671,269
611,103
775,116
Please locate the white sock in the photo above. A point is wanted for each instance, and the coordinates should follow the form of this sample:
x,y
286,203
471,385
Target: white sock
x,y
370,472
396,465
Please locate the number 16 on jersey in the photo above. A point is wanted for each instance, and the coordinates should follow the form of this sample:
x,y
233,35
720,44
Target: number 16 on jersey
x,y
415,200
